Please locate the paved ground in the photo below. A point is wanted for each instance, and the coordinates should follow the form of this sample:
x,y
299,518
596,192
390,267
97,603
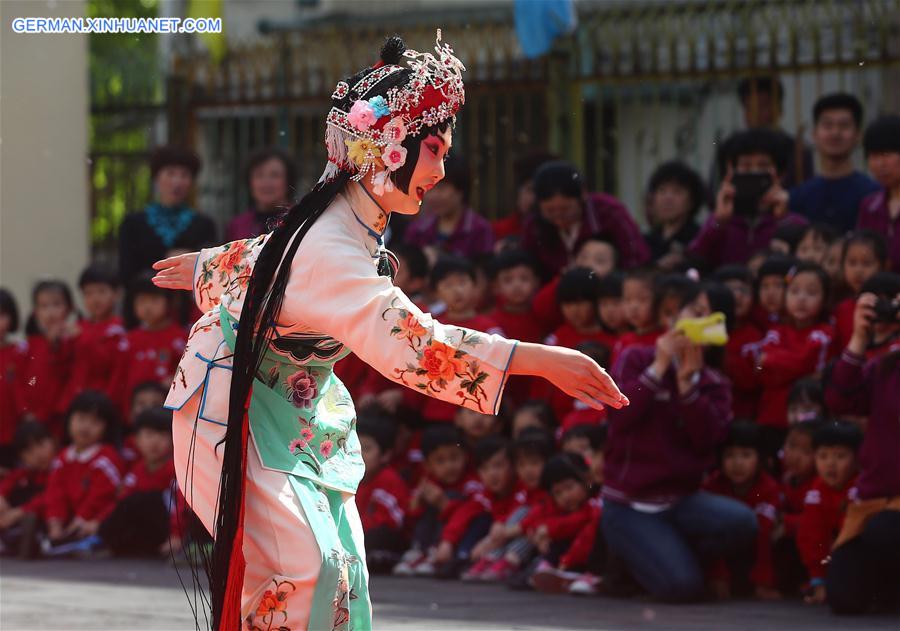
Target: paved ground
x,y
120,595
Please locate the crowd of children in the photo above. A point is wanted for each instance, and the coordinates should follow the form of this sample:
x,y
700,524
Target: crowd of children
x,y
773,420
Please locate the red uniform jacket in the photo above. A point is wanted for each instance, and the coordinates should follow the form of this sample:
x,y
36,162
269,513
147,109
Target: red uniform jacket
x,y
843,323
12,361
629,339
820,523
742,372
146,356
42,382
23,480
482,502
560,526
578,553
83,485
546,309
383,500
518,326
764,497
783,356
96,354
793,493
457,493
141,480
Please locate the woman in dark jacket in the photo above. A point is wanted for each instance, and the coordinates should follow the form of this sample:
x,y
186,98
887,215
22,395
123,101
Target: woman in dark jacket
x,y
167,223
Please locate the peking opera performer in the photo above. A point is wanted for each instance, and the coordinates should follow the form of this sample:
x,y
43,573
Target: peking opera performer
x,y
266,450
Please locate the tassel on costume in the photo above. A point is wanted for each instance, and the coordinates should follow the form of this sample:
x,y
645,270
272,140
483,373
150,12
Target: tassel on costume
x,y
234,587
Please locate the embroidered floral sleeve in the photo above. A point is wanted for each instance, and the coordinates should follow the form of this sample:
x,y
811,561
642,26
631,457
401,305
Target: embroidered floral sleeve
x,y
224,271
336,290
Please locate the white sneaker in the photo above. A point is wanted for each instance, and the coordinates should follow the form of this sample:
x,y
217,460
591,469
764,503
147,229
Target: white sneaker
x,y
585,585
408,562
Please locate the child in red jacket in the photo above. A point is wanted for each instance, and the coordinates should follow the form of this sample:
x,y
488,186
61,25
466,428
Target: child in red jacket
x,y
745,389
552,527
41,384
151,350
836,444
799,347
742,477
12,357
382,496
446,485
865,254
22,490
141,523
466,533
100,335
85,476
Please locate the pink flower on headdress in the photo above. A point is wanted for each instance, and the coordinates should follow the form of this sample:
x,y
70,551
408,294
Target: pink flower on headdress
x,y
394,157
362,115
395,131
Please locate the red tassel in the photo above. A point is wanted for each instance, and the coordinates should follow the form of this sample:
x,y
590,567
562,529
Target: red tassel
x,y
234,587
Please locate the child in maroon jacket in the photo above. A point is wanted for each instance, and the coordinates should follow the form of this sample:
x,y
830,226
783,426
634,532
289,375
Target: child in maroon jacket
x,y
22,490
836,444
382,496
446,485
141,523
466,533
85,476
798,347
743,478
101,334
151,350
42,381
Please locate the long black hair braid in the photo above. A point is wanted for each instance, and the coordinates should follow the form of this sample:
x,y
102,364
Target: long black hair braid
x,y
262,304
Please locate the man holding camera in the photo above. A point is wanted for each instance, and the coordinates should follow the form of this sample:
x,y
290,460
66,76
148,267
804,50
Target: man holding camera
x,y
750,204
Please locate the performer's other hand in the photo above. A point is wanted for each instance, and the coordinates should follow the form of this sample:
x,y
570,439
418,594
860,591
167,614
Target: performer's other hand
x,y
176,272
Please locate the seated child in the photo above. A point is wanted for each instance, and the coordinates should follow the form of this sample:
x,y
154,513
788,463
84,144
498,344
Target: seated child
x,y
474,425
806,402
770,290
382,496
142,523
814,243
865,254
745,390
465,534
516,278
22,490
640,308
85,476
152,348
552,527
446,484
741,476
836,444
798,470
533,413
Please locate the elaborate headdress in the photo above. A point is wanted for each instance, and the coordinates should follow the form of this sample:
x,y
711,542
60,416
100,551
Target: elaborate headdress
x,y
365,134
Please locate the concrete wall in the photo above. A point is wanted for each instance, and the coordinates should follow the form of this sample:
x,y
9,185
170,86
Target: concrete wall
x,y
43,150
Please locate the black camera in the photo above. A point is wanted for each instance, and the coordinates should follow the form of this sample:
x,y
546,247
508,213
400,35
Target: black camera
x,y
749,188
886,310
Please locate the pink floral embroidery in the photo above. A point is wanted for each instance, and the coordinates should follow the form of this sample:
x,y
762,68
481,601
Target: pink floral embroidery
x,y
297,443
440,362
306,434
326,447
302,389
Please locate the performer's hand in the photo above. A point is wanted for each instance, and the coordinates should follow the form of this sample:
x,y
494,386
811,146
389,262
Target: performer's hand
x,y
573,372
176,272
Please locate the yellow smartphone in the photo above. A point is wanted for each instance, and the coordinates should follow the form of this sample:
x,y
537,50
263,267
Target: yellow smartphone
x,y
708,331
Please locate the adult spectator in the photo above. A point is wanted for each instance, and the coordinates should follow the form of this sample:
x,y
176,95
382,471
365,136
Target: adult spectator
x,y
568,215
751,204
881,210
524,168
655,517
271,177
167,223
833,195
865,562
674,196
451,226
